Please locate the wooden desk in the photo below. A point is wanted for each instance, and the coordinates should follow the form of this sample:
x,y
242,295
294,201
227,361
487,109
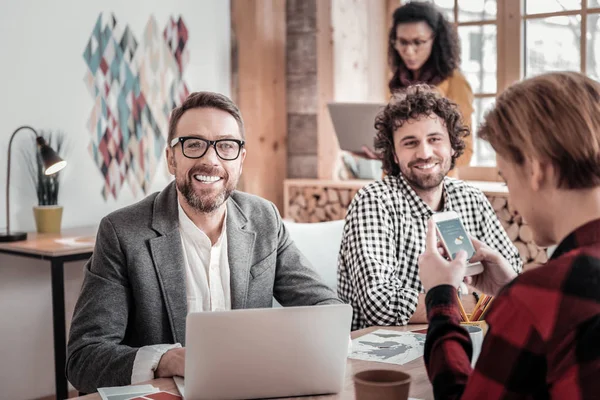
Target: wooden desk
x,y
420,387
69,245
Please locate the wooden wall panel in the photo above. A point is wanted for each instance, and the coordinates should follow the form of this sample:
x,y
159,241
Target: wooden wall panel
x,y
302,94
328,146
304,139
303,165
302,82
301,15
359,48
301,54
284,73
259,31
390,6
351,64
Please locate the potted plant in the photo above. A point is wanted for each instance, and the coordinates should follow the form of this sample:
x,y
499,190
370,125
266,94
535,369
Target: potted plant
x,y
48,214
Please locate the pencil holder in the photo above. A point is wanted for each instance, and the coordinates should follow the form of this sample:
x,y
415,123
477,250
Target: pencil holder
x,y
481,324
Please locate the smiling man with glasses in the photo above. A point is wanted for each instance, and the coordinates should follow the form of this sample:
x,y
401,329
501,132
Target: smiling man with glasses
x,y
199,245
195,147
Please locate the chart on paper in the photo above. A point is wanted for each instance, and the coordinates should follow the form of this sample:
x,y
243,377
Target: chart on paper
x,y
388,346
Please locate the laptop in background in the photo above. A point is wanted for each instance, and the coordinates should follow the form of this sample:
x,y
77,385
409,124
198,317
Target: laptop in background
x,y
270,352
354,124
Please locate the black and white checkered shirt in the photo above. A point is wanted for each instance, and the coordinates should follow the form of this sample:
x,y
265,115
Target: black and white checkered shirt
x,y
383,237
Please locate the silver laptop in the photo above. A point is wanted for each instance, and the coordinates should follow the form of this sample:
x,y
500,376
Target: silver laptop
x,y
354,124
271,352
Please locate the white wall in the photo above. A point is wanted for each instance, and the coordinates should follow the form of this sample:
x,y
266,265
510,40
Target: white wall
x,y
41,84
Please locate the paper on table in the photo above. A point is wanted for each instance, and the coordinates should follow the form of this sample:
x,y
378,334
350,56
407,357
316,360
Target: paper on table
x,y
158,396
125,392
389,346
80,241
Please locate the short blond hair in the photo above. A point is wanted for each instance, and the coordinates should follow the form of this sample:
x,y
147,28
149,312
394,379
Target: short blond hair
x,y
555,118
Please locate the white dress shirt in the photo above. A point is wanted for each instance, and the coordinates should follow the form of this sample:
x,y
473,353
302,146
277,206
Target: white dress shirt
x,y
207,286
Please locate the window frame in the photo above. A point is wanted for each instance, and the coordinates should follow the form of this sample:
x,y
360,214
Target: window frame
x,y
511,19
508,69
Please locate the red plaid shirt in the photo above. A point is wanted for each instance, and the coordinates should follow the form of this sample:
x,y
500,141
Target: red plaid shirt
x,y
543,339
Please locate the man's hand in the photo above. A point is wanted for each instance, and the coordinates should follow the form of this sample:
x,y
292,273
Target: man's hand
x,y
497,271
171,363
434,270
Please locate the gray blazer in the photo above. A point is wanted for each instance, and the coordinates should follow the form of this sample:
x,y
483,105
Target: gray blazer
x,y
134,294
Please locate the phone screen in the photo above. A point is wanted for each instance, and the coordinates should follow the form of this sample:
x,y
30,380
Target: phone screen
x,y
455,237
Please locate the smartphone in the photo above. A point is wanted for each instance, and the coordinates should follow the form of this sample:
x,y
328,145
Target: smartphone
x,y
454,237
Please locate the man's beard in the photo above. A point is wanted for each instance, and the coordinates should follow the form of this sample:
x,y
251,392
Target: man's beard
x,y
425,182
205,202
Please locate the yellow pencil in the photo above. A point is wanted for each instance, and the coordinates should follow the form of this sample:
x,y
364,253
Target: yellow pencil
x,y
485,310
463,314
481,298
477,314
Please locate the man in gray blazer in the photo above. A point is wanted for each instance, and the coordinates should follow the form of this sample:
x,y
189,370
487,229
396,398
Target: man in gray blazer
x,y
198,245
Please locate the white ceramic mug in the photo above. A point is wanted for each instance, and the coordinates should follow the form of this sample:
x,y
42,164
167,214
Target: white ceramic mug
x,y
476,334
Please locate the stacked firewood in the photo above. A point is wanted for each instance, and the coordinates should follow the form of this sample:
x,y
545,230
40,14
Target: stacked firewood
x,y
519,232
318,204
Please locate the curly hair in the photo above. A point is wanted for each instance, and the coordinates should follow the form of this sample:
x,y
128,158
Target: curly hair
x,y
445,53
415,102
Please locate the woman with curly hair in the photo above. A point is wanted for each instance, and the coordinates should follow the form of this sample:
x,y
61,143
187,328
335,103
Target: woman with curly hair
x,y
424,48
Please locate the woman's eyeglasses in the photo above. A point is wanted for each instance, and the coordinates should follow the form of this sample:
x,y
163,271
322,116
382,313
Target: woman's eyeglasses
x,y
195,147
403,44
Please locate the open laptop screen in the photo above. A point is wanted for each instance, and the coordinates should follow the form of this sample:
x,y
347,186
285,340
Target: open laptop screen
x,y
354,124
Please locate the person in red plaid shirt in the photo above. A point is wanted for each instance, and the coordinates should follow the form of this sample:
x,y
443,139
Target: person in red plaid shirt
x,y
543,339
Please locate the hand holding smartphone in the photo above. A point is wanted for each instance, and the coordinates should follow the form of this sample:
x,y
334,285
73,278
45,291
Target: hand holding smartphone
x,y
454,237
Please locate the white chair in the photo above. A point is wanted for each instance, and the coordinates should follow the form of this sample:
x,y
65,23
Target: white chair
x,y
320,243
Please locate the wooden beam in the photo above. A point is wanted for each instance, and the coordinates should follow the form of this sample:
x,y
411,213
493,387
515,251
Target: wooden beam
x,y
328,147
351,65
478,23
301,75
565,13
509,37
390,7
360,29
377,21
583,37
259,31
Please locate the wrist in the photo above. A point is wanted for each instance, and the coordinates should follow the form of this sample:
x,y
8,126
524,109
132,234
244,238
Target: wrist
x,y
163,369
440,295
444,281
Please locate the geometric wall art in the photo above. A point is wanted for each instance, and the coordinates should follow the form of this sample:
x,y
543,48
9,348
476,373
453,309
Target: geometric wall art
x,y
135,85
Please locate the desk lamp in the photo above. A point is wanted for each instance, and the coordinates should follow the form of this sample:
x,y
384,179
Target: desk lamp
x,y
52,164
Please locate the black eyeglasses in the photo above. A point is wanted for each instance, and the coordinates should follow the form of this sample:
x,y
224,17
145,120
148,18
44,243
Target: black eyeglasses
x,y
195,147
416,43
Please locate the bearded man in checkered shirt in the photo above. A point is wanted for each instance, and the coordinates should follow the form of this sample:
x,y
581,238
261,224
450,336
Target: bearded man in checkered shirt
x,y
419,136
